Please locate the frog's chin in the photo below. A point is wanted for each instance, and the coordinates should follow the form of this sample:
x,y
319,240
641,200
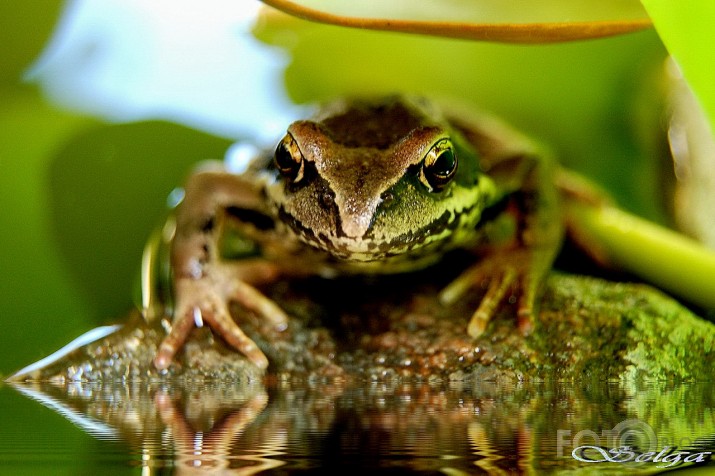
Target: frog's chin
x,y
368,257
368,252
345,249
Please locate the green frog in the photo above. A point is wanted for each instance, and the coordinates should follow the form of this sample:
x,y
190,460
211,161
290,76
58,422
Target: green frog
x,y
367,186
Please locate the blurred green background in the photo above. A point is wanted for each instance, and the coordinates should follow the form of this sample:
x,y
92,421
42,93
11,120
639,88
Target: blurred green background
x,y
78,199
80,195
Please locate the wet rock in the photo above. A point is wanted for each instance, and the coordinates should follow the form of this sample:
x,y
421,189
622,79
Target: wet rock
x,y
395,330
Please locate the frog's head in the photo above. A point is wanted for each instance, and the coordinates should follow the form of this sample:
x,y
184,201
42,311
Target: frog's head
x,y
365,180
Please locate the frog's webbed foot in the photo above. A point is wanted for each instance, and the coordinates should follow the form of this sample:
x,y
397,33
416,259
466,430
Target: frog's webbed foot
x,y
204,301
505,275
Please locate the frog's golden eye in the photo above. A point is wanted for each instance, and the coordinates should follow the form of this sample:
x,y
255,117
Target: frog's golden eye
x,y
439,166
288,159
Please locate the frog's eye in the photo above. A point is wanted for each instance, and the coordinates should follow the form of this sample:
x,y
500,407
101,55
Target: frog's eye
x,y
288,159
439,166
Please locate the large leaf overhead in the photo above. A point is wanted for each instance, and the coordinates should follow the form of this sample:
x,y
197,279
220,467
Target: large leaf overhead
x,y
513,21
686,30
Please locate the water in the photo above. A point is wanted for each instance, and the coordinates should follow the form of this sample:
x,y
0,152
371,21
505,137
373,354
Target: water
x,y
296,428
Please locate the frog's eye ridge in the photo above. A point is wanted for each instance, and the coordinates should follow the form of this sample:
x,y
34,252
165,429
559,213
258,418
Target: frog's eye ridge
x,y
288,159
439,166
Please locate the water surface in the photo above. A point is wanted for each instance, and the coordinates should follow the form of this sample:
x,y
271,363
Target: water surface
x,y
295,427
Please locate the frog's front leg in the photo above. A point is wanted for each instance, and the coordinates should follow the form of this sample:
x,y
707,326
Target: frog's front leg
x,y
204,284
518,267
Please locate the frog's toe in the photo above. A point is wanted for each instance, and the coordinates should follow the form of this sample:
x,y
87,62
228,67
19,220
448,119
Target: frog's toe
x,y
525,310
252,299
172,343
223,324
525,321
472,277
489,304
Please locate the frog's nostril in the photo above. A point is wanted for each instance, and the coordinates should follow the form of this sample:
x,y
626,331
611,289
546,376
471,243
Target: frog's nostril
x,y
326,200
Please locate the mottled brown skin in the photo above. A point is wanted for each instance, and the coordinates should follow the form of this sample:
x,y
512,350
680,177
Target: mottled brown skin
x,y
377,186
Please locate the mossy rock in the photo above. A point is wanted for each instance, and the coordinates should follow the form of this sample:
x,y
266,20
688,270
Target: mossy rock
x,y
395,330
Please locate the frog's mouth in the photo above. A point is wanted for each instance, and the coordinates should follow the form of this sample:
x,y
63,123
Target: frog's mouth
x,y
371,247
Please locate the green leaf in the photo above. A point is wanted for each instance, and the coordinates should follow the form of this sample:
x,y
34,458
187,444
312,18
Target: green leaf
x,y
686,29
481,11
41,308
488,20
25,28
79,199
108,190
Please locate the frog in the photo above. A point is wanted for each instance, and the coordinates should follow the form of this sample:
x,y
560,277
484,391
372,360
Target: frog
x,y
367,186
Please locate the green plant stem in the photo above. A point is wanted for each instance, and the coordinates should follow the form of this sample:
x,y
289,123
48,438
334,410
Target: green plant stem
x,y
669,260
